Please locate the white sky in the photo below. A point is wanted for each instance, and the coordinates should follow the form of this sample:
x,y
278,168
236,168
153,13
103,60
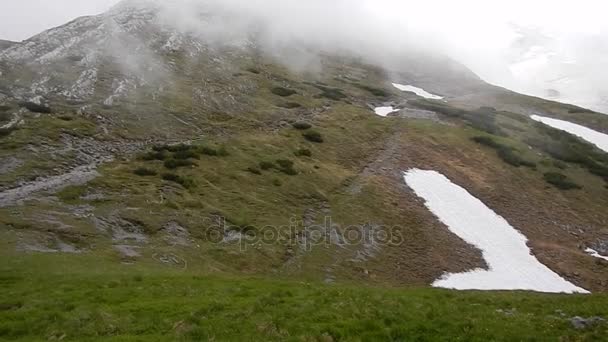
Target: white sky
x,y
21,19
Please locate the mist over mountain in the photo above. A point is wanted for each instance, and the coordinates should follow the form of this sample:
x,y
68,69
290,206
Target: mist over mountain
x,y
566,65
304,170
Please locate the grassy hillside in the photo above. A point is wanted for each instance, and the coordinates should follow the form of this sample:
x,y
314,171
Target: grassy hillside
x,y
85,298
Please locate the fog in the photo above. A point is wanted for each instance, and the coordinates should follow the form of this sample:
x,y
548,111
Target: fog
x,y
555,49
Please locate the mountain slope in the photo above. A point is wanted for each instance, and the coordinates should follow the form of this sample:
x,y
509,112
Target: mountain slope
x,y
133,141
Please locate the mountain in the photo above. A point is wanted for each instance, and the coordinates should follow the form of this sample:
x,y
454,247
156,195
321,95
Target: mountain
x,y
128,141
4,44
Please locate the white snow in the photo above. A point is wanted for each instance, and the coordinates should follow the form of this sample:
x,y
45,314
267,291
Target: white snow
x,y
384,111
592,136
511,265
594,253
418,91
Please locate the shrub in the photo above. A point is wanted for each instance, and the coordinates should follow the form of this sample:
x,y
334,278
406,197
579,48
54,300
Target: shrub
x,y
265,165
142,171
569,148
374,91
5,132
290,105
175,163
158,155
65,117
506,153
303,152
313,136
208,151
185,182
36,108
254,170
331,93
285,163
301,125
560,181
253,70
222,152
510,156
486,141
283,92
188,154
277,182
286,166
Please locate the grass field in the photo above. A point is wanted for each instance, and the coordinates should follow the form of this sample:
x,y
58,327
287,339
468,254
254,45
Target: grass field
x,y
83,298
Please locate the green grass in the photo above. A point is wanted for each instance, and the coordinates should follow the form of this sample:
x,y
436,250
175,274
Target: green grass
x,y
560,181
83,298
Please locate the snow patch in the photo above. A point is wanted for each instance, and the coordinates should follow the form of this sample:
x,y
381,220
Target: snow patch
x,y
511,265
418,91
384,111
592,136
594,253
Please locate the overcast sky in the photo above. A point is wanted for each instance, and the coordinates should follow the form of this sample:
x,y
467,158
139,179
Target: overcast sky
x,y
21,19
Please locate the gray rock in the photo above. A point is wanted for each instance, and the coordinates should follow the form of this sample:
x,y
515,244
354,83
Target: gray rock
x,y
584,323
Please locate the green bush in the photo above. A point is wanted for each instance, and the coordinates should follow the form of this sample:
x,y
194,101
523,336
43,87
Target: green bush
x,y
313,136
303,152
254,170
142,171
265,165
286,166
209,151
508,154
253,70
374,91
283,92
511,157
175,163
156,155
301,125
560,181
285,163
290,105
331,93
569,148
486,141
187,154
185,182
483,119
